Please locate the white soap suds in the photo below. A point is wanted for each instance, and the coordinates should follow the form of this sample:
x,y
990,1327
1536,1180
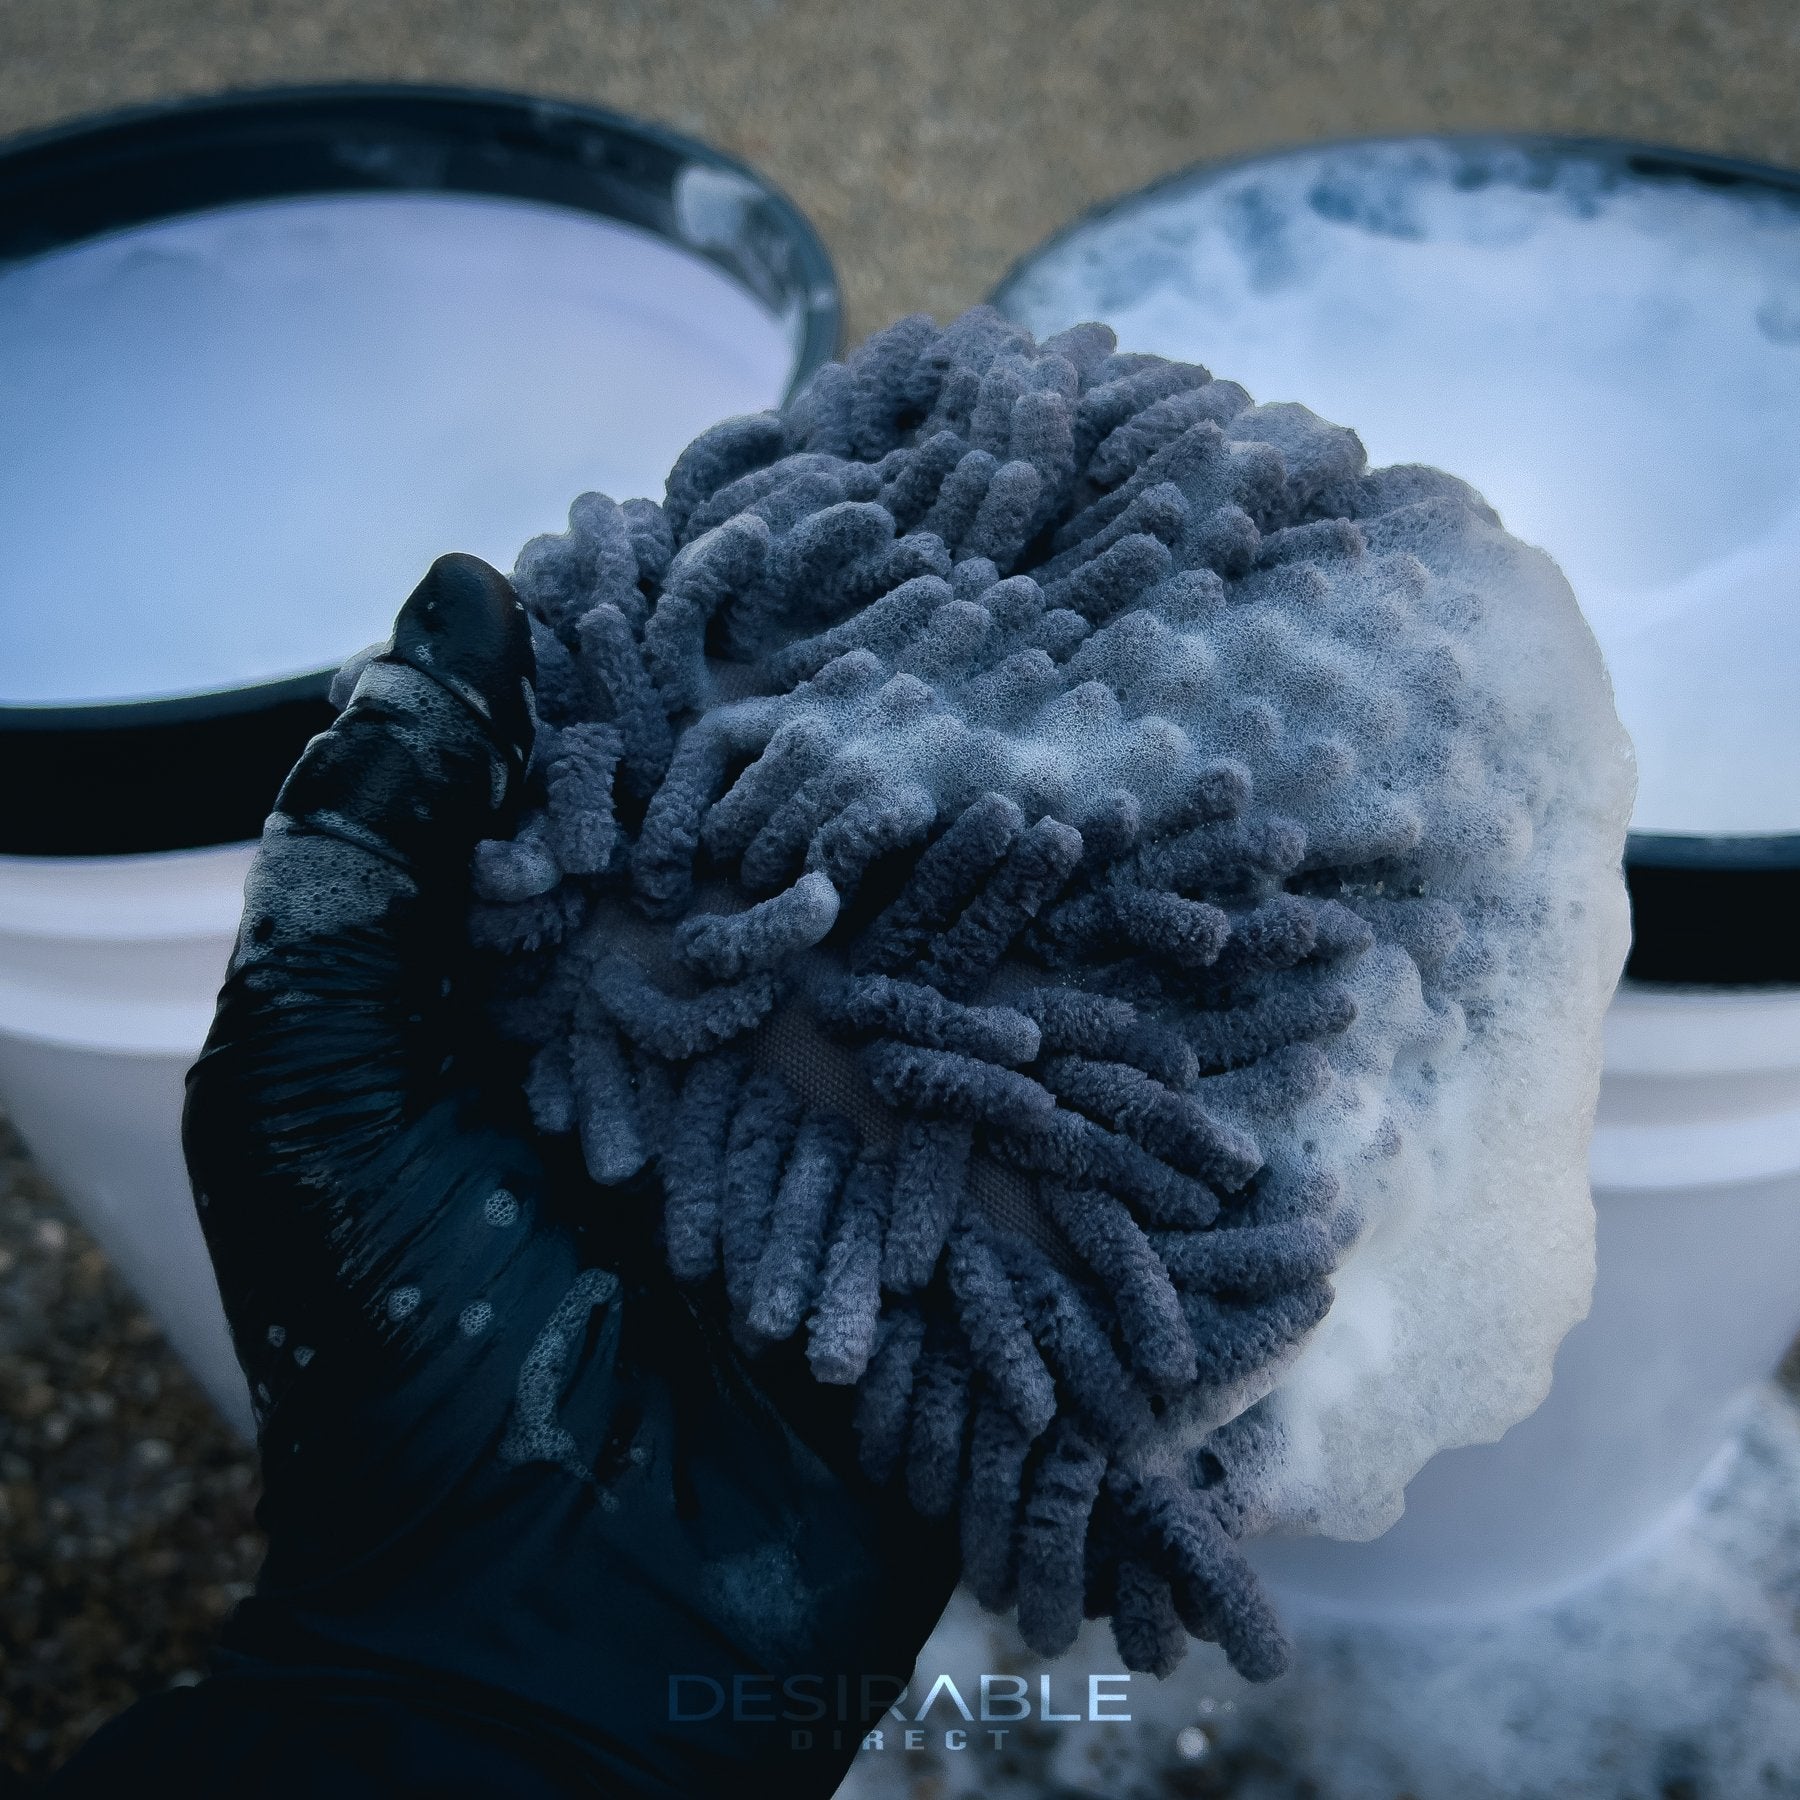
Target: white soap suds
x,y
1463,1097
402,1303
1675,1676
534,1431
236,439
1613,361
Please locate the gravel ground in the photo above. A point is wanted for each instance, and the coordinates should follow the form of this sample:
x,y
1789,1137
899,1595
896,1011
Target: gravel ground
x,y
125,1505
932,143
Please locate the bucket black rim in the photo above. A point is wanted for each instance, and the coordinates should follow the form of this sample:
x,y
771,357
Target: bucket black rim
x,y
1708,910
163,773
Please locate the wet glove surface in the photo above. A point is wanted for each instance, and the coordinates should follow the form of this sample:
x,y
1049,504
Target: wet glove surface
x,y
507,1462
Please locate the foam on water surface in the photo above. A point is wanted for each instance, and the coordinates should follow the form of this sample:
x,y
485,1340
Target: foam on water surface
x,y
1613,361
235,437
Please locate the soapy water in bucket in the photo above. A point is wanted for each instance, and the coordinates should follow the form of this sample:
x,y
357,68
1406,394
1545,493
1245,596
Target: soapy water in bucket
x,y
1613,361
234,436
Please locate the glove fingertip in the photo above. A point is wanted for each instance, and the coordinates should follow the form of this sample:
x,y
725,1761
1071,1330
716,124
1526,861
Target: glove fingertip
x,y
465,627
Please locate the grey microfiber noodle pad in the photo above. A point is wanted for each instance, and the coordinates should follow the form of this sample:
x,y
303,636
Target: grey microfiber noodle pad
x,y
960,814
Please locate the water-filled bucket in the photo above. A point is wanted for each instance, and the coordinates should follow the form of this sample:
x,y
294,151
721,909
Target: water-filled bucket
x,y
1524,312
269,355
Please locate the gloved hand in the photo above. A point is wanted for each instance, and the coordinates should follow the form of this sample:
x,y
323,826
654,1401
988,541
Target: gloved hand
x,y
511,1470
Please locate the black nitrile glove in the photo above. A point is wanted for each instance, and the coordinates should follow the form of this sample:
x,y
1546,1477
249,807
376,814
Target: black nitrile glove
x,y
525,1500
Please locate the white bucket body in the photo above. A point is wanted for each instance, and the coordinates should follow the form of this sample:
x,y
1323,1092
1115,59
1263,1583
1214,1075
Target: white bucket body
x,y
1696,1173
109,967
